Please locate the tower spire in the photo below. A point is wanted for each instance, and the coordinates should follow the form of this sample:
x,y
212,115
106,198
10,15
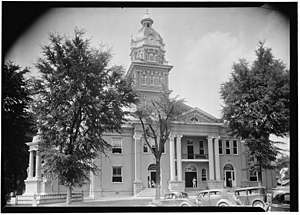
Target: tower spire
x,y
147,21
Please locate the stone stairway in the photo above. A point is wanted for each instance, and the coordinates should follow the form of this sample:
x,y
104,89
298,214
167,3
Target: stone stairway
x,y
193,191
150,192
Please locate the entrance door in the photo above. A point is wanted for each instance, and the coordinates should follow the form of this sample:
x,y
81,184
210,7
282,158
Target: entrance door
x,y
228,179
189,178
229,176
190,151
153,176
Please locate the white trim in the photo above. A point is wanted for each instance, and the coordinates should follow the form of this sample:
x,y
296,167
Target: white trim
x,y
253,176
237,148
112,175
145,144
231,174
221,147
205,173
200,146
227,148
121,143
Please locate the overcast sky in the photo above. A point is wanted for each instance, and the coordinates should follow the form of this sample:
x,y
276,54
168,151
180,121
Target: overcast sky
x,y
201,43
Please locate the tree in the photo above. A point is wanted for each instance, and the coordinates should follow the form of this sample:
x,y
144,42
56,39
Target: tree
x,y
16,127
79,97
257,100
156,119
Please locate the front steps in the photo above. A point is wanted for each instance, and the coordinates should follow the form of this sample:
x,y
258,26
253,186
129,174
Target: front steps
x,y
150,192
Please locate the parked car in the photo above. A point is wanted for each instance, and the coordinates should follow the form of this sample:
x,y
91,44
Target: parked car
x,y
280,199
254,196
173,199
216,197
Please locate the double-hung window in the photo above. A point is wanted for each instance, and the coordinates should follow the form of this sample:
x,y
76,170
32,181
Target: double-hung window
x,y
227,147
117,146
145,148
201,151
203,175
253,175
220,147
117,174
235,147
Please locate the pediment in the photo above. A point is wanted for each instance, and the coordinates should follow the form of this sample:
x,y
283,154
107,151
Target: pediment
x,y
196,115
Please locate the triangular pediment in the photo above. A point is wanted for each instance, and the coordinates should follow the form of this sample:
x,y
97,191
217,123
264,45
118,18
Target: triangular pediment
x,y
196,115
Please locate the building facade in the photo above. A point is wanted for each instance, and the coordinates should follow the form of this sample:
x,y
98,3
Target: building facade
x,y
198,147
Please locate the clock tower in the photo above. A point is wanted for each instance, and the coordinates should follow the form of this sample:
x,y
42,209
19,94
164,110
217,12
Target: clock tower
x,y
149,68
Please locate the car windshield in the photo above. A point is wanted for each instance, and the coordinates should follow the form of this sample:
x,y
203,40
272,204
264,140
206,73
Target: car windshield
x,y
185,195
215,193
241,193
281,198
169,196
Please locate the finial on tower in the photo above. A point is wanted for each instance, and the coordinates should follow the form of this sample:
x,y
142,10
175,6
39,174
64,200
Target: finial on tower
x,y
146,20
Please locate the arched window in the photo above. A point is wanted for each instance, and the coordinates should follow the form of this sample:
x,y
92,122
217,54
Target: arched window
x,y
204,175
152,167
190,168
228,167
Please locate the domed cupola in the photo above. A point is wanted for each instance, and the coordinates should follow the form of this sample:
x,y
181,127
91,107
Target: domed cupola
x,y
149,69
148,45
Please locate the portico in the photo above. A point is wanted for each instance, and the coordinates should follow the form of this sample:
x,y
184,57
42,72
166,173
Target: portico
x,y
199,151
34,178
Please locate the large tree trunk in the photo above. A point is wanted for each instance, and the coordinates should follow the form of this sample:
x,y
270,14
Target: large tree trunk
x,y
69,195
157,196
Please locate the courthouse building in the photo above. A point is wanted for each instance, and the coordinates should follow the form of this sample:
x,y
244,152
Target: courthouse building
x,y
198,147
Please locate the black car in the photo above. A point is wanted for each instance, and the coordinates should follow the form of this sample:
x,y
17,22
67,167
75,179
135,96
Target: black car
x,y
280,199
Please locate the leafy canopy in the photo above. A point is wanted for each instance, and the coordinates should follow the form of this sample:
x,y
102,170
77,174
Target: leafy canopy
x,y
257,104
16,127
79,97
156,119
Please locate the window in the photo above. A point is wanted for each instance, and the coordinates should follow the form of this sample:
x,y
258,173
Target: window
x,y
227,147
152,143
145,148
215,193
286,199
234,147
161,80
220,147
144,79
154,147
151,80
201,148
203,174
117,146
152,57
190,142
117,174
253,175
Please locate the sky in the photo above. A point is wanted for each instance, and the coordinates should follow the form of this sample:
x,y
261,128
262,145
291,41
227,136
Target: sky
x,y
201,43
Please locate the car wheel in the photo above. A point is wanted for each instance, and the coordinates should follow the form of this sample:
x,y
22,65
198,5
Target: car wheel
x,y
258,204
223,204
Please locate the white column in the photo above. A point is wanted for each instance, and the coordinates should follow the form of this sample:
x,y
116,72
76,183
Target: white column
x,y
172,158
211,159
179,162
31,160
38,164
92,185
137,156
217,158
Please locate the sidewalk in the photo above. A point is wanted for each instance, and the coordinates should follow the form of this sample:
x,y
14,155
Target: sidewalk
x,y
102,199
